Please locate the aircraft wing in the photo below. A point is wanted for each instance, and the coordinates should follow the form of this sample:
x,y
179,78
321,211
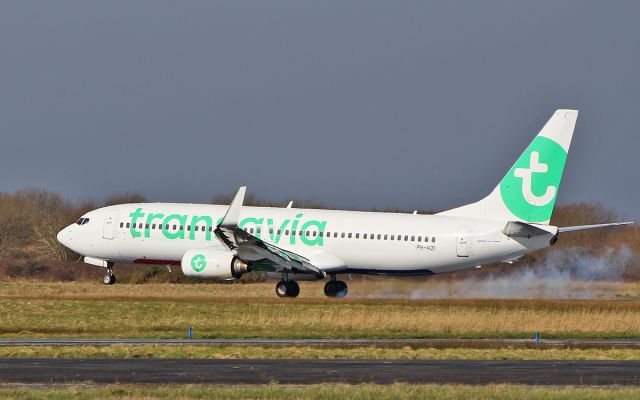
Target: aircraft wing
x,y
250,248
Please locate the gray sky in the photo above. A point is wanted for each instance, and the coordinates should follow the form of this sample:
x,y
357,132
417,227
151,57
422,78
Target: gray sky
x,y
354,103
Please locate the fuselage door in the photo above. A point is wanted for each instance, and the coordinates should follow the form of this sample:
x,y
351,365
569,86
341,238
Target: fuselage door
x,y
108,231
462,243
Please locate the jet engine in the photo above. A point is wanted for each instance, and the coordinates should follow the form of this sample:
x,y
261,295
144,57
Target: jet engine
x,y
211,263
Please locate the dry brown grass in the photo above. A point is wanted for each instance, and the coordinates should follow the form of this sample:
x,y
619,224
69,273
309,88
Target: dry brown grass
x,y
164,310
306,352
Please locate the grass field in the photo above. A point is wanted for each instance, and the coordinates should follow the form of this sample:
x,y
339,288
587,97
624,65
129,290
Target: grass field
x,y
252,311
304,352
328,392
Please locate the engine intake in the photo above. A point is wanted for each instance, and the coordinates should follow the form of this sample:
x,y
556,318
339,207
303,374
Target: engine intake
x,y
210,263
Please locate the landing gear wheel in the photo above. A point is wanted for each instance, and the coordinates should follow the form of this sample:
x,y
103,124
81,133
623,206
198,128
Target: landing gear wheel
x,y
109,279
336,289
287,289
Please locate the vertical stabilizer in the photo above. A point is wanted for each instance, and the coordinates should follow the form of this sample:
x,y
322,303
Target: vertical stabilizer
x,y
529,190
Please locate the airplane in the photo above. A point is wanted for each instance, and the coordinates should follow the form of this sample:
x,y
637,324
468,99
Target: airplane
x,y
223,242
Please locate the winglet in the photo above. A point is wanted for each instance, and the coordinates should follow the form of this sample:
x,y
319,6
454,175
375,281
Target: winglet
x,y
232,217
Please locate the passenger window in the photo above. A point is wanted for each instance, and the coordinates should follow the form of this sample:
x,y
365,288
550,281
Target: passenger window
x,y
385,237
293,233
146,226
251,230
392,237
364,236
406,238
128,225
140,225
399,237
335,234
357,235
211,229
433,239
188,227
181,227
349,235
314,233
175,227
308,233
342,235
121,224
379,236
320,233
204,228
419,238
258,230
299,233
372,236
270,231
286,232
413,238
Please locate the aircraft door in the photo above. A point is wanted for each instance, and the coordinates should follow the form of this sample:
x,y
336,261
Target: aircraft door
x,y
462,242
108,231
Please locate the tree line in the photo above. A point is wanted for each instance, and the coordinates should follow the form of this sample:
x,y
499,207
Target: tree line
x,y
30,220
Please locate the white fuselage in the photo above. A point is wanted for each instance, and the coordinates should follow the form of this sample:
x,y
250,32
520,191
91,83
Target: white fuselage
x,y
334,241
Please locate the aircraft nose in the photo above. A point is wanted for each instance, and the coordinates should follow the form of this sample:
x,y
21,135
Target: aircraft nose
x,y
64,236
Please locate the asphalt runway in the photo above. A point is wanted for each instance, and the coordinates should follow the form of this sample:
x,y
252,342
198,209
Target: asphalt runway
x,y
440,343
302,372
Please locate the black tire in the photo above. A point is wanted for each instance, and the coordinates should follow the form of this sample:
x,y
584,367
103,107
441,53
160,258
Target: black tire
x,y
294,289
287,289
343,289
282,289
109,279
337,289
330,289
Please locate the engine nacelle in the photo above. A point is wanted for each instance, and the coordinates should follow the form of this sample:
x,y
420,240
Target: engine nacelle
x,y
210,263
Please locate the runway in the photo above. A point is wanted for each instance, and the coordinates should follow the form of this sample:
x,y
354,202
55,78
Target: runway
x,y
438,343
302,372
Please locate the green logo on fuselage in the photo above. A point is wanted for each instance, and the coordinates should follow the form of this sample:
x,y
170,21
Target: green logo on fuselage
x,y
181,226
530,188
198,262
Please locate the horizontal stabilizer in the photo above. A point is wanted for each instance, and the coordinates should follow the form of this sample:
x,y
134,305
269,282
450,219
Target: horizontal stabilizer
x,y
523,230
596,226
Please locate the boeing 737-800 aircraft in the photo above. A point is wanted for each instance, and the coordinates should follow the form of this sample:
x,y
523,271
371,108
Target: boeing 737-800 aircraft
x,y
226,241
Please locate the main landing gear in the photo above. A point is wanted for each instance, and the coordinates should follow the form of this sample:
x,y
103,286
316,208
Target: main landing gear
x,y
287,289
334,288
109,278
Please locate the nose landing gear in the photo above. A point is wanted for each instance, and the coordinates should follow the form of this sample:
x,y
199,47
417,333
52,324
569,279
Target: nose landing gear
x,y
109,278
334,288
287,289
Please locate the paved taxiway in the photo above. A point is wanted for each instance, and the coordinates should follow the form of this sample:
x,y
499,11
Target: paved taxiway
x,y
468,343
234,372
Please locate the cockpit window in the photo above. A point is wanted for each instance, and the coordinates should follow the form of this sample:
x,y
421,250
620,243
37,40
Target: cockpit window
x,y
82,221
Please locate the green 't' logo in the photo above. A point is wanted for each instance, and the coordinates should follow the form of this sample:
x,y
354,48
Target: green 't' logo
x,y
530,188
198,262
